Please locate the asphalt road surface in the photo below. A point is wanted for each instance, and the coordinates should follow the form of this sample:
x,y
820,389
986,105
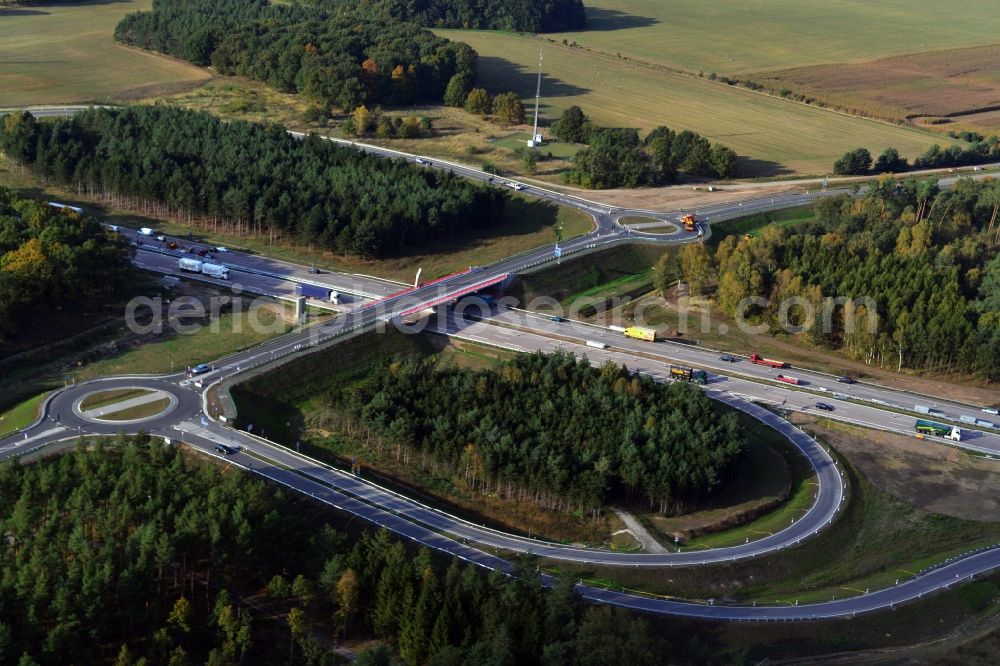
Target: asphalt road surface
x,y
187,421
445,533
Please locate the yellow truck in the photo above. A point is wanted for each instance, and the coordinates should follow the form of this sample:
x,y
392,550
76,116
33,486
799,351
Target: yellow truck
x,y
641,333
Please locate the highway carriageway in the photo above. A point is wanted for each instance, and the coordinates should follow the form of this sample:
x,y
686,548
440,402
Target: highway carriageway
x,y
448,534
435,528
825,384
528,332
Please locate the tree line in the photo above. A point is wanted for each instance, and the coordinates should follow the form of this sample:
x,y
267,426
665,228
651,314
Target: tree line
x,y
53,259
925,261
138,553
858,162
549,429
617,157
252,179
336,58
510,15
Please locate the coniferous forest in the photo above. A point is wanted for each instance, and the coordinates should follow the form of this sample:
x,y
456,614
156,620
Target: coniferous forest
x,y
252,179
53,257
551,429
140,551
510,15
337,58
924,261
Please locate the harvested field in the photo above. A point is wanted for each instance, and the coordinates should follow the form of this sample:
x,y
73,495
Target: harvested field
x,y
63,53
772,136
941,83
730,37
987,122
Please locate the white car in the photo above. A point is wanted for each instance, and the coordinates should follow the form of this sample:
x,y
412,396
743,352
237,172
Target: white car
x,y
161,238
222,249
146,231
991,410
419,160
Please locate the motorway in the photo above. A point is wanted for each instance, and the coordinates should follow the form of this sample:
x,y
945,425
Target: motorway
x,y
187,422
256,273
436,529
380,302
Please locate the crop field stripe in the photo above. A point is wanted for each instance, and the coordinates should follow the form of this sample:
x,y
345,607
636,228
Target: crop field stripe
x,y
775,136
65,53
739,37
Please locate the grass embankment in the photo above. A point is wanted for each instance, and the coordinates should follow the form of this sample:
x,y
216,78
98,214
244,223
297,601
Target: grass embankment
x,y
788,217
225,335
173,352
877,539
111,397
897,636
589,275
66,53
21,415
773,485
773,136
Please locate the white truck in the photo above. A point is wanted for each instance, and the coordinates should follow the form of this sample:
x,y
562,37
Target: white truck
x,y
192,265
203,267
215,270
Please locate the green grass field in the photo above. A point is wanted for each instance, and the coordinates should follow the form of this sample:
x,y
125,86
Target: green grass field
x,y
63,53
773,136
179,351
730,37
20,415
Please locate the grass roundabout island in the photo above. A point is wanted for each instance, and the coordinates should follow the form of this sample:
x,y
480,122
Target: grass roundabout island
x,y
125,405
647,225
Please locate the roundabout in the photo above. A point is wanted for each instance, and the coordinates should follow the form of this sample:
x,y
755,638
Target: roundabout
x,y
117,404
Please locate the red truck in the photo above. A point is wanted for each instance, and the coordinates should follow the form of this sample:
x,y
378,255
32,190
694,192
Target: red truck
x,y
787,380
771,363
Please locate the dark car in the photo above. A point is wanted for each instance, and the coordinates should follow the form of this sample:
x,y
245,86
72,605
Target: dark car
x,y
202,253
728,358
556,318
845,380
825,407
224,450
314,271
